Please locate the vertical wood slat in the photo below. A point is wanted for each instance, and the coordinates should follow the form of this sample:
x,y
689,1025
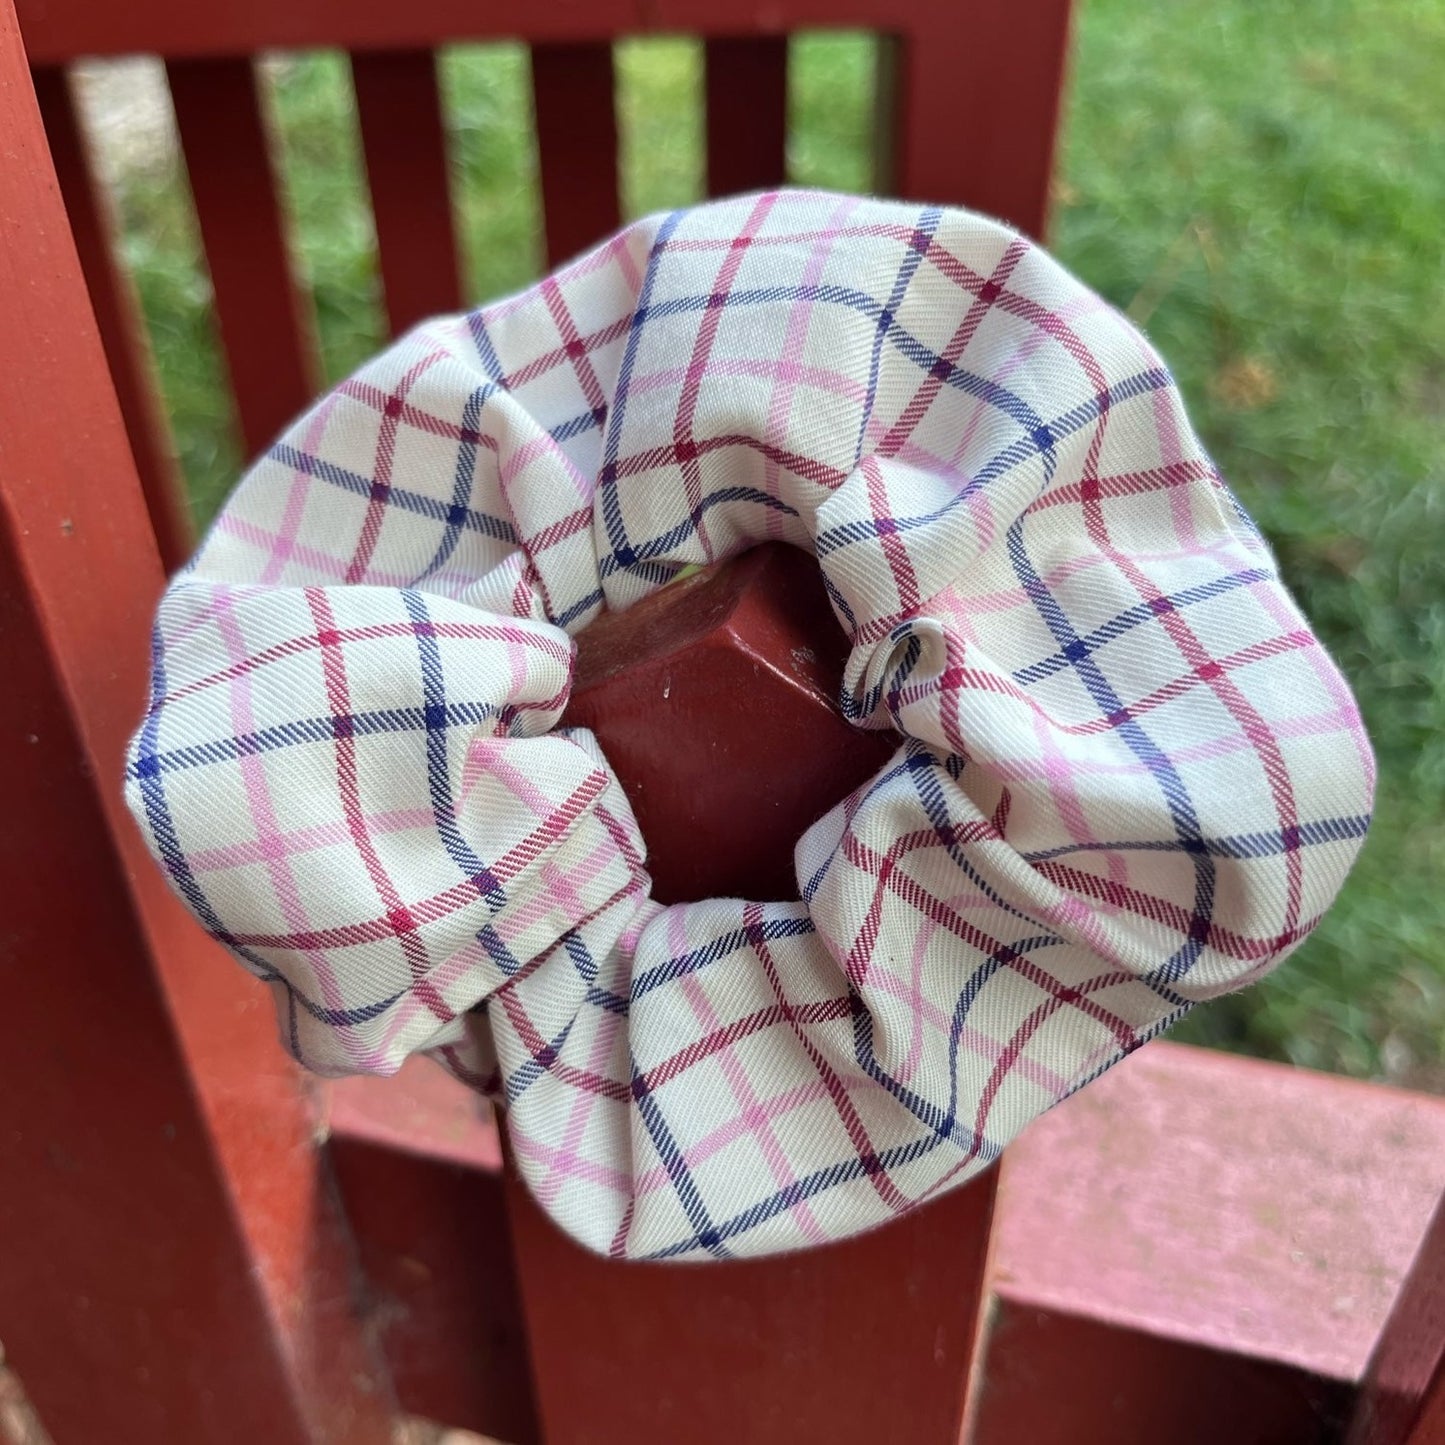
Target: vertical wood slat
x,y
171,1267
117,315
399,109
130,1298
1402,1397
747,113
977,96
883,162
572,90
264,328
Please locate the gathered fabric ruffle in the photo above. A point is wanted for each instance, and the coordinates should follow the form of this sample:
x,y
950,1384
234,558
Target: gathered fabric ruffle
x,y
1130,777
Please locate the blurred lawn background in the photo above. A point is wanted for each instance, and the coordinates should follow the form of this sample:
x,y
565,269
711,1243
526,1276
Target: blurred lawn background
x,y
1260,185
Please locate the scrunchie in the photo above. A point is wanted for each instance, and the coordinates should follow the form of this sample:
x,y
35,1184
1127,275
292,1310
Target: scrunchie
x,y
1130,779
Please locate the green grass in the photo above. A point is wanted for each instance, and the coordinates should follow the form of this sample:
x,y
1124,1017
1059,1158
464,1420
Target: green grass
x,y
1261,185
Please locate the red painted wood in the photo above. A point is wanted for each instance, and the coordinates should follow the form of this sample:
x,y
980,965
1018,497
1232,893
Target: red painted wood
x,y
436,1247
754,1354
1203,1248
172,1266
127,350
1228,1203
406,165
55,33
856,1343
572,91
675,689
747,113
977,98
421,1110
126,1292
264,328
1429,1426
710,656
419,1162
1402,1399
1056,1379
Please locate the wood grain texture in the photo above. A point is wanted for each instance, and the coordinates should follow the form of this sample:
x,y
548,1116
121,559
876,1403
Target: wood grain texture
x,y
171,1262
122,332
399,109
746,88
265,330
572,91
1238,1205
1402,1399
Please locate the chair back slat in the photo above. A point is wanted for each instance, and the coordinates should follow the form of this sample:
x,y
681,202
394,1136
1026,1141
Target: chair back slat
x,y
747,113
572,91
974,124
268,344
399,109
127,350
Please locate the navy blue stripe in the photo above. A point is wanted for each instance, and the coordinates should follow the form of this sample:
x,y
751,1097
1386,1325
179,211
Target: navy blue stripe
x,y
706,1234
1039,440
606,481
928,222
1159,764
463,479
1142,612
145,774
438,776
419,503
716,948
322,729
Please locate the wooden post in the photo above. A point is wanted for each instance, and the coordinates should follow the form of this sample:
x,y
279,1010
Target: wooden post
x,y
977,98
172,1261
821,1345
745,88
576,125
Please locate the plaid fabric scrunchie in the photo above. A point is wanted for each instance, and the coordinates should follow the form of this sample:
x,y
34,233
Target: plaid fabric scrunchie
x,y
1130,777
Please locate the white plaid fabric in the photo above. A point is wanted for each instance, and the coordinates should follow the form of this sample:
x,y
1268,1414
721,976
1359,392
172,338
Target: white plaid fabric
x,y
1131,778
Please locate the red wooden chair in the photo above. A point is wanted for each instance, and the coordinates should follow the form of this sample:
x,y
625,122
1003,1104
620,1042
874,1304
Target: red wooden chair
x,y
180,1258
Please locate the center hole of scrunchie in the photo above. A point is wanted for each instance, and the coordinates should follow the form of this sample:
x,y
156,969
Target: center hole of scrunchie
x,y
715,701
